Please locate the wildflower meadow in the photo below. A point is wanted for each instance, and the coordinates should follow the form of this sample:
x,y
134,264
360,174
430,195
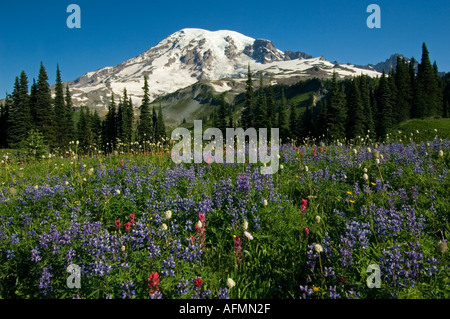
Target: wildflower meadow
x,y
137,225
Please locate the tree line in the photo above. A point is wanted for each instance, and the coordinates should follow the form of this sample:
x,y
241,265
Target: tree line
x,y
27,111
357,107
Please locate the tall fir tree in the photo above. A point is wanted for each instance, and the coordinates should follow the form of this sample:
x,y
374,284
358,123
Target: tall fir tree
x,y
110,129
404,92
322,119
336,111
393,97
68,113
293,124
61,127
369,126
260,109
145,126
120,121
356,118
20,117
384,104
160,126
96,125
427,87
33,101
84,129
282,123
306,122
247,113
4,121
45,116
271,112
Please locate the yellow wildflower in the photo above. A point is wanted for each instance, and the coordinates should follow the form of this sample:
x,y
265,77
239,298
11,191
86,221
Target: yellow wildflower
x,y
352,201
350,193
316,289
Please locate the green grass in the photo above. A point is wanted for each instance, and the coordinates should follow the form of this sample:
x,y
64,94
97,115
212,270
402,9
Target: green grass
x,y
425,127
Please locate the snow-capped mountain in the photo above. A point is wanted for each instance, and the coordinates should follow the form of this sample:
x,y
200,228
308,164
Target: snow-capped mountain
x,y
192,55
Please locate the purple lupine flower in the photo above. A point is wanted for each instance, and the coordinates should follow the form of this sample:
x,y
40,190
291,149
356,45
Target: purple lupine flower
x,y
44,281
35,255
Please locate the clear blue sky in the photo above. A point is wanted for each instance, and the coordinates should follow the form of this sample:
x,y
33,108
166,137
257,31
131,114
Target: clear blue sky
x,y
113,31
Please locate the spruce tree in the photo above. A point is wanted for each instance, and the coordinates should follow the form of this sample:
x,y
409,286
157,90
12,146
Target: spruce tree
x,y
20,117
45,117
247,113
282,117
4,121
293,125
356,119
369,127
404,92
384,104
160,126
155,123
61,128
322,119
145,126
427,87
130,118
68,113
336,111
393,97
306,122
260,109
271,113
33,101
110,131
96,126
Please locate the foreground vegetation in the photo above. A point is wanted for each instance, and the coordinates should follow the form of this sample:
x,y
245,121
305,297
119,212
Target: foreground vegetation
x,y
139,226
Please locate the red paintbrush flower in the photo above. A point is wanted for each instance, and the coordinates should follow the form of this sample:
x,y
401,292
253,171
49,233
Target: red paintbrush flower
x,y
127,227
153,280
117,224
131,219
198,282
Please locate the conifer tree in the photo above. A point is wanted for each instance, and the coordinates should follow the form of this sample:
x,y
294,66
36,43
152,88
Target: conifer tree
x,y
282,117
404,92
369,126
271,118
293,125
160,126
145,127
247,113
45,117
68,113
384,104
393,97
61,128
32,102
110,130
260,109
4,121
306,122
19,117
96,129
84,129
336,111
120,123
155,123
321,125
356,117
427,87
